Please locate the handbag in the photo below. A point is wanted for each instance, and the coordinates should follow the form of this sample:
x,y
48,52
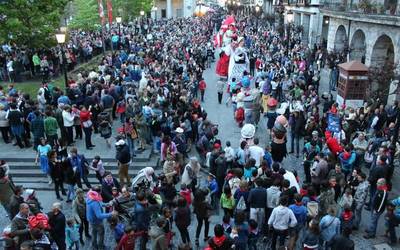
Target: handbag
x,y
87,124
134,134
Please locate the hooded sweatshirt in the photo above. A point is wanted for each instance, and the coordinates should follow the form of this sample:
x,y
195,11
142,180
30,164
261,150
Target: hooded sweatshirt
x,y
273,195
94,210
281,218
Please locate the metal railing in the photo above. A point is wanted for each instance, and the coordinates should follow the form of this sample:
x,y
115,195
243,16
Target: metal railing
x,y
363,6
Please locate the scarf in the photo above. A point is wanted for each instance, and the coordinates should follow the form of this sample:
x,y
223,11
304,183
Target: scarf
x,y
95,196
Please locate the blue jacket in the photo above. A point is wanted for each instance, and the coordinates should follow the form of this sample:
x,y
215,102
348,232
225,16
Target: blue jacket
x,y
141,217
300,212
213,186
396,202
329,226
94,212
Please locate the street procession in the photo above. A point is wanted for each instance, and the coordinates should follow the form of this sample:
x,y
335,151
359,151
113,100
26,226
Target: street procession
x,y
191,125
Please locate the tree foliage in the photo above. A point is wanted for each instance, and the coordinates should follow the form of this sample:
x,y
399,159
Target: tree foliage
x,y
86,11
86,15
30,23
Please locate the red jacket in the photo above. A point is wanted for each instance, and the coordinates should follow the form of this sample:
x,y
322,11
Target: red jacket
x,y
202,85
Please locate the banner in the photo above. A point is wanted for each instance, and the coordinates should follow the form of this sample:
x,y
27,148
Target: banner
x,y
109,12
333,123
101,11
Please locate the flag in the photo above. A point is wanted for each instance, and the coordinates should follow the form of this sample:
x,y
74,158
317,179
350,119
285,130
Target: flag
x,y
101,11
109,11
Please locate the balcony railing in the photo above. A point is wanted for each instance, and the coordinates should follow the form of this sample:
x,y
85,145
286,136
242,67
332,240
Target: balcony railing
x,y
363,6
296,2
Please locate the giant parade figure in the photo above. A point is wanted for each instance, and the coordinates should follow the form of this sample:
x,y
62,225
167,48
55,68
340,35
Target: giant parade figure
x,y
233,61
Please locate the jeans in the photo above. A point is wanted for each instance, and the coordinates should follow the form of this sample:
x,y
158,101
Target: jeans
x,y
293,138
202,95
97,236
71,192
76,244
333,79
258,214
357,215
281,234
373,223
200,225
392,223
88,136
131,145
184,234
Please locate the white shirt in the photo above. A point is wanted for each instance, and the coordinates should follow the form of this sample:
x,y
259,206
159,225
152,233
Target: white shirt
x,y
292,179
256,152
68,119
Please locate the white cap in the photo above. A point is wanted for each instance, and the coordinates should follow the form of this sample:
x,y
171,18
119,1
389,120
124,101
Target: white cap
x,y
120,142
179,130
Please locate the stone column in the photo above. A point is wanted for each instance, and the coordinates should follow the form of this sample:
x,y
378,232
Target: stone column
x,y
169,8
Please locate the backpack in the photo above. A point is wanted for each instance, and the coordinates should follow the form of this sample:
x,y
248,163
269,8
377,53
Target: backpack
x,y
241,205
312,209
239,115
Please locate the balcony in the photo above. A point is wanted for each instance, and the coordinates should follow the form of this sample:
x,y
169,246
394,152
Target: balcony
x,y
294,2
388,8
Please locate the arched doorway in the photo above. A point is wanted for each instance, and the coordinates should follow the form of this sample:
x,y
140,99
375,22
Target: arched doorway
x,y
382,52
382,67
340,39
357,46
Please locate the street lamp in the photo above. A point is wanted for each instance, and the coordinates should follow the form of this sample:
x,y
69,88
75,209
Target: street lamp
x,y
289,18
61,40
155,12
119,21
142,13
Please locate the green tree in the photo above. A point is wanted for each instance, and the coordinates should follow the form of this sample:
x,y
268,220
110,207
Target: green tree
x,y
30,23
86,15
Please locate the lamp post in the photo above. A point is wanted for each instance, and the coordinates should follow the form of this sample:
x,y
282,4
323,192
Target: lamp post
x,y
119,21
61,40
155,12
289,18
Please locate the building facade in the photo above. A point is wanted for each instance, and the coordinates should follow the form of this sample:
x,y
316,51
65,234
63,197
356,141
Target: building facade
x,y
173,8
306,13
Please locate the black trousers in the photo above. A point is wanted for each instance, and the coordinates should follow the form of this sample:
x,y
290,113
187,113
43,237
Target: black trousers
x,y
84,226
200,221
184,234
281,234
70,135
88,136
85,180
58,184
220,97
78,131
5,132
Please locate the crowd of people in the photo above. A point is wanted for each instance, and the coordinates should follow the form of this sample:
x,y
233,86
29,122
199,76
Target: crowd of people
x,y
152,86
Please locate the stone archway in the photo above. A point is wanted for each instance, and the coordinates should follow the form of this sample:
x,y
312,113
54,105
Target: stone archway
x,y
382,66
358,46
340,39
383,51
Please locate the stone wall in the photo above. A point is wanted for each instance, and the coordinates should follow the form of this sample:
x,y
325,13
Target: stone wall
x,y
372,32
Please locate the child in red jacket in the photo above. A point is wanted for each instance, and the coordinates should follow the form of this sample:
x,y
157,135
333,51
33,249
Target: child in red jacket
x,y
186,193
202,88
